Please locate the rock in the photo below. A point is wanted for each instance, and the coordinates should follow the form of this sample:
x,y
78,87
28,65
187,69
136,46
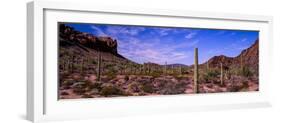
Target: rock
x,y
79,85
92,78
76,77
69,36
132,77
64,93
94,91
133,87
120,76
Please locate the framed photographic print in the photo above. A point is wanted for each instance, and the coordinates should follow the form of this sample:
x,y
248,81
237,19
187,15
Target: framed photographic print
x,y
97,61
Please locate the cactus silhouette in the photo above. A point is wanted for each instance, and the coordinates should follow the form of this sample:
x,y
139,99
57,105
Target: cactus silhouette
x,y
241,62
208,66
99,66
221,76
195,70
81,65
180,70
165,68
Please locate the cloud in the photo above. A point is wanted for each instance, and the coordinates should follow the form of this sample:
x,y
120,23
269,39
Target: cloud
x,y
221,32
124,30
153,47
153,50
244,39
164,31
190,35
99,32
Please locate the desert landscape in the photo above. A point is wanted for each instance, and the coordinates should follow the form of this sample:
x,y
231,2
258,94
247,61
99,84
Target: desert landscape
x,y
91,66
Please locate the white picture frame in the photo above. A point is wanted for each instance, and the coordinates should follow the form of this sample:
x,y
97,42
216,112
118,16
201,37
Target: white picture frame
x,y
42,103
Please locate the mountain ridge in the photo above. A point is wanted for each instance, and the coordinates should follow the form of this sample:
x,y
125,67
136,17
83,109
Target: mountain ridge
x,y
248,56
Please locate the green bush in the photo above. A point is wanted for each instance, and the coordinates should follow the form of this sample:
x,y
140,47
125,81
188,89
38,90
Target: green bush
x,y
111,74
86,96
155,74
126,78
246,72
110,90
94,62
148,88
96,85
209,75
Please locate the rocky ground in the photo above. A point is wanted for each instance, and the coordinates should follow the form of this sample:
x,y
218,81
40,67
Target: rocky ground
x,y
87,86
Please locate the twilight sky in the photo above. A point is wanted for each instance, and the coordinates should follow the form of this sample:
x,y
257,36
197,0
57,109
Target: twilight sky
x,y
174,45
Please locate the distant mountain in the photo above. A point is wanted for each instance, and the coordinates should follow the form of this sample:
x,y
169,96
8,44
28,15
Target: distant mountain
x,y
176,65
168,65
248,57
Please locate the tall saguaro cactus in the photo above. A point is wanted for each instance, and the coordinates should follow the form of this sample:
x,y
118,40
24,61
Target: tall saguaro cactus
x,y
195,88
241,62
221,77
81,65
208,66
180,70
165,68
99,66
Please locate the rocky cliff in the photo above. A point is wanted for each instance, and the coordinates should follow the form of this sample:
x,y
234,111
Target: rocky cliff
x,y
70,37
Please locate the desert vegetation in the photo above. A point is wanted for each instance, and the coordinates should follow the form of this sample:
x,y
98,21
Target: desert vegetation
x,y
91,67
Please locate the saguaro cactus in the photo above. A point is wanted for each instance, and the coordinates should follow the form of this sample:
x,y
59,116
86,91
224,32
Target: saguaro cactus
x,y
99,66
221,77
180,70
241,62
148,68
165,68
195,88
208,66
81,65
72,63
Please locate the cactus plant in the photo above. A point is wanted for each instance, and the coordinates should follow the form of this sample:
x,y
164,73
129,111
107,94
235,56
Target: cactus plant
x,y
180,70
165,68
208,66
99,66
241,62
148,68
221,76
81,65
72,63
195,88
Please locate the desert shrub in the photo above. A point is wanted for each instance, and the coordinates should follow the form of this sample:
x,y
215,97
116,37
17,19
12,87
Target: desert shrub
x,y
96,85
155,74
110,90
172,88
111,75
126,78
209,75
64,93
245,86
94,62
79,91
246,72
86,96
79,87
67,82
134,87
148,88
179,77
233,88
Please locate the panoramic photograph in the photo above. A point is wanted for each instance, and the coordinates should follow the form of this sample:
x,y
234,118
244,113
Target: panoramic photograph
x,y
105,60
